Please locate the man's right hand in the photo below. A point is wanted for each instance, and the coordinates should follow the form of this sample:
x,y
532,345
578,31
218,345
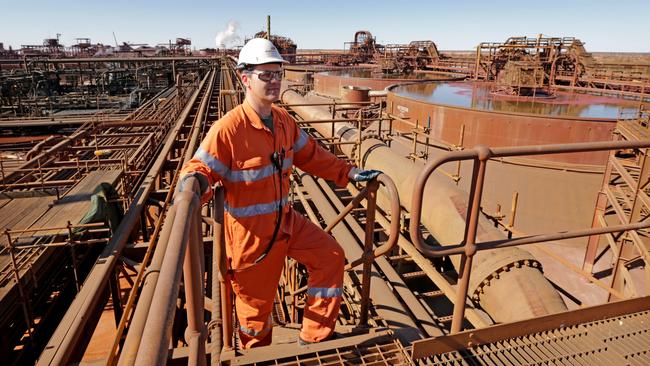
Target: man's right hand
x,y
203,182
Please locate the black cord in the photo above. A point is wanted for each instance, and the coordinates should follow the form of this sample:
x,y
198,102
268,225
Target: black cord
x,y
277,159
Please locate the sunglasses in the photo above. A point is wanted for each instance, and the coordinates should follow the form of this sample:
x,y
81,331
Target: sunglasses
x,y
267,76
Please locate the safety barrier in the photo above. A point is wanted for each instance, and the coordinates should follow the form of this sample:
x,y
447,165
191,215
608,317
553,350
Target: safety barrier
x,y
468,247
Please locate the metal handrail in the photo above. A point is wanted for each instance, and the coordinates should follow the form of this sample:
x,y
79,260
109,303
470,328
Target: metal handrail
x,y
369,255
395,209
222,315
186,245
468,247
221,325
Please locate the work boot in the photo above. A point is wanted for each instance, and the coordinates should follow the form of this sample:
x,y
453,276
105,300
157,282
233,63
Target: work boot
x,y
333,336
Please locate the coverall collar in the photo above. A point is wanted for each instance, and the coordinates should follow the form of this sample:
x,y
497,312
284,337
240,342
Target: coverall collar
x,y
253,117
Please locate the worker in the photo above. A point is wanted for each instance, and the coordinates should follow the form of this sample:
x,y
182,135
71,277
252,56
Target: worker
x,y
251,151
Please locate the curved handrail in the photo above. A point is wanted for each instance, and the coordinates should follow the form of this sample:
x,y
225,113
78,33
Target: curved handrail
x,y
369,255
393,231
482,153
468,246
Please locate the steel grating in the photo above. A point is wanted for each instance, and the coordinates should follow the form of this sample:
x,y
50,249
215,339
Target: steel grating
x,y
386,352
621,340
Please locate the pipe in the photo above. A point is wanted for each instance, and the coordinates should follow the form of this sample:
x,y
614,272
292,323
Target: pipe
x,y
156,336
219,277
508,284
136,327
393,228
38,147
195,334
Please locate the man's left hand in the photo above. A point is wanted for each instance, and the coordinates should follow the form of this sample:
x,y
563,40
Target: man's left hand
x,y
359,175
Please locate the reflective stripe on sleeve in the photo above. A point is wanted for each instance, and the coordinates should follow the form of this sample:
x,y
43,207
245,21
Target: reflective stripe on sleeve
x,y
302,141
213,163
250,175
324,291
254,210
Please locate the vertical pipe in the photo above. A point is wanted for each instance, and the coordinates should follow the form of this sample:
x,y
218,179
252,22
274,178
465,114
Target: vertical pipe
x,y
73,255
359,127
218,279
226,303
368,256
156,335
470,238
268,27
193,279
137,324
513,209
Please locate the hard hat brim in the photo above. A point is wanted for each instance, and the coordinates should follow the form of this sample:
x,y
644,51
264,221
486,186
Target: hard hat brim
x,y
274,61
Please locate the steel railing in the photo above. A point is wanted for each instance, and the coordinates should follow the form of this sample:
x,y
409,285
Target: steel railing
x,y
185,246
468,247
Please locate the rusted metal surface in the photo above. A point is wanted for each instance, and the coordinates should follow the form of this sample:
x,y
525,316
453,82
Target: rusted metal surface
x,y
142,311
613,333
621,200
394,313
468,247
445,219
70,337
331,84
564,62
154,351
154,346
388,300
395,210
184,245
355,94
220,325
186,236
496,129
375,348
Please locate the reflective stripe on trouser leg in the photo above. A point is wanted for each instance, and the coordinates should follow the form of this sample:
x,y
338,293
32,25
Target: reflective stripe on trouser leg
x,y
324,259
319,317
258,335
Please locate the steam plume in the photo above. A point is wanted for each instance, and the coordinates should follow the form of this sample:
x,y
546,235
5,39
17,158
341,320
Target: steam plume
x,y
228,36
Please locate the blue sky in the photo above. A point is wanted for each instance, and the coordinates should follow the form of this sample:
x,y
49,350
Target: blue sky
x,y
621,25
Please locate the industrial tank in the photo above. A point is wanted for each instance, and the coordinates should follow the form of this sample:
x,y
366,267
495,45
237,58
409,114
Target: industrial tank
x,y
329,83
482,115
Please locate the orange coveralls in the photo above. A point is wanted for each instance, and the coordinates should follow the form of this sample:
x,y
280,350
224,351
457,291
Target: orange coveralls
x,y
237,151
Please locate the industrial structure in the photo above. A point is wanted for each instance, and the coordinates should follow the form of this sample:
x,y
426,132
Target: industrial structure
x,y
509,226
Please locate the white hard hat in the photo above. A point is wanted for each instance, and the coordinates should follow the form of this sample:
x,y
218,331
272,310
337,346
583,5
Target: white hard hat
x,y
258,51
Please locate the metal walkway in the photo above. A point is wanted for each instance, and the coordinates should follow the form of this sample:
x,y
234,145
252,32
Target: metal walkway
x,y
616,340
